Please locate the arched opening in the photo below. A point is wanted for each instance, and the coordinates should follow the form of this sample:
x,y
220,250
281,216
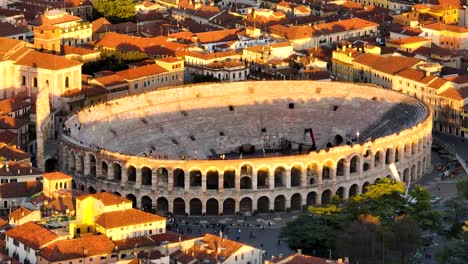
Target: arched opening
x,y
51,165
73,185
387,156
340,167
378,159
103,190
179,178
80,165
353,164
229,178
280,177
104,169
195,178
195,207
296,202
146,176
312,173
340,192
246,183
280,203
263,205
397,154
246,170
413,173
326,172
92,165
364,187
414,148
262,178
162,177
91,190
338,140
72,161
407,150
406,176
212,207
162,205
212,180
146,203
311,198
131,173
117,193
179,206
326,197
296,175
353,190
229,206
132,198
245,205
365,167
117,169
377,180
82,187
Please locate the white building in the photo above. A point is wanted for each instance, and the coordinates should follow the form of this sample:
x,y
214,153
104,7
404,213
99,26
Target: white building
x,y
228,70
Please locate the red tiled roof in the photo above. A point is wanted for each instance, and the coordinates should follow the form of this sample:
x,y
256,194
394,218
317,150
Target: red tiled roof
x,y
61,204
87,245
13,154
368,59
8,137
442,27
126,217
7,122
437,83
110,80
343,25
393,64
217,36
141,72
106,198
230,247
19,214
303,259
169,236
32,235
12,104
19,189
416,75
57,175
409,40
451,93
47,61
134,242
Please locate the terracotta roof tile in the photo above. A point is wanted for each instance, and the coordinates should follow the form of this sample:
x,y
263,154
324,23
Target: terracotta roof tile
x,y
19,189
445,27
170,237
451,93
7,29
12,153
416,75
368,59
32,235
437,83
393,64
208,252
134,242
7,122
61,204
8,137
217,36
343,25
12,104
106,198
57,175
303,259
126,217
19,214
110,80
86,246
47,61
141,72
409,40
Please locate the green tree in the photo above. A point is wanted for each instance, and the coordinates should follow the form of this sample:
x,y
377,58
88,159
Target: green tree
x,y
404,237
116,11
454,252
421,210
462,188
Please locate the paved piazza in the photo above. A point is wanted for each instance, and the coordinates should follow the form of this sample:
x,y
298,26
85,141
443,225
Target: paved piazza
x,y
222,149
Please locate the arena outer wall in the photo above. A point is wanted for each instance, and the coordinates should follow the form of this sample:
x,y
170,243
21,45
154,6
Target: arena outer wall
x,y
349,169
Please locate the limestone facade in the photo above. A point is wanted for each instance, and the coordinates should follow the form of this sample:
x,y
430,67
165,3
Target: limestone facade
x,y
255,185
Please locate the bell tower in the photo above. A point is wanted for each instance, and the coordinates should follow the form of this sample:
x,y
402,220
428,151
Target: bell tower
x,y
47,38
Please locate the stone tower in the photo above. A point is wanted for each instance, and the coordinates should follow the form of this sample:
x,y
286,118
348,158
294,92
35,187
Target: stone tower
x,y
47,38
43,123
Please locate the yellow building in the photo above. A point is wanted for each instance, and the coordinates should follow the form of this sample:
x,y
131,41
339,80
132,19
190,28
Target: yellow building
x,y
55,182
114,217
379,3
409,44
447,14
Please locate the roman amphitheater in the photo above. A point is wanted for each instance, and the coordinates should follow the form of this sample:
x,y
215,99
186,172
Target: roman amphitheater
x,y
258,147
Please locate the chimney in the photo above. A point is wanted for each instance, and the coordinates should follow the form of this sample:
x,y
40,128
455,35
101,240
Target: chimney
x,y
299,251
346,259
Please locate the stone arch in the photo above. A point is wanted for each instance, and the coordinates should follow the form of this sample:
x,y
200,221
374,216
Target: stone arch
x,y
117,170
340,192
195,178
117,193
262,178
364,187
229,206
245,183
296,175
80,164
353,190
263,205
162,177
311,198
414,147
366,166
398,153
419,173
280,177
340,167
72,161
92,164
413,173
313,170
406,176
378,158
146,203
326,197
162,205
82,187
246,205
73,185
407,150
131,173
132,198
229,179
212,207
104,169
91,190
195,206
354,164
246,170
103,190
212,179
377,180
388,154
296,202
179,178
327,170
146,176
280,203
179,206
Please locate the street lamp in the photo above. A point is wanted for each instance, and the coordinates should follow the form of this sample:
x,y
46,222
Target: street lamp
x,y
357,136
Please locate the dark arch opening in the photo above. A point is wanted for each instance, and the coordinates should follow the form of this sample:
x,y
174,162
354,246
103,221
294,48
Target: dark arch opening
x,y
245,205
353,165
162,205
296,175
92,165
179,178
162,177
229,178
311,198
117,171
212,207
338,140
132,198
131,172
179,206
340,167
262,178
51,165
104,169
296,202
229,207
146,176
212,180
195,178
280,177
245,183
364,187
263,205
340,192
91,190
353,190
195,207
146,203
280,203
326,197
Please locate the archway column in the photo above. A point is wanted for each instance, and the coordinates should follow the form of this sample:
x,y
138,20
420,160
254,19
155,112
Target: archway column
x,y
271,180
203,182
236,206
288,178
87,167
345,194
287,203
220,207
237,181
99,169
372,163
186,181
254,182
203,207
319,175
304,177
170,206
138,178
347,167
124,175
154,177
170,180
110,171
220,183
78,164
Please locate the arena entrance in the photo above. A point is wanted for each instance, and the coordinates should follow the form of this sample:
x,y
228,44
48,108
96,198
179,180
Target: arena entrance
x,y
51,165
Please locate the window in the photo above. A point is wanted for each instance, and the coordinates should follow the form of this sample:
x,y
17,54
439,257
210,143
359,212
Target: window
x,y
35,82
231,108
264,130
291,105
221,133
67,82
135,86
23,80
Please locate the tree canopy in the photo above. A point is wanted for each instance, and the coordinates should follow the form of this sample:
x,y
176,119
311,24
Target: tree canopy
x,y
116,11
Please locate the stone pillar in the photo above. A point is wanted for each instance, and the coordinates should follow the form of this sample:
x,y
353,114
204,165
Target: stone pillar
x,y
170,180
319,175
110,171
138,178
154,178
79,165
203,207
237,181
288,178
347,166
203,182
170,206
254,204
220,207
271,180
287,203
304,178
99,170
345,194
137,202
124,175
87,168
186,181
220,183
360,165
236,205
254,183
371,163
